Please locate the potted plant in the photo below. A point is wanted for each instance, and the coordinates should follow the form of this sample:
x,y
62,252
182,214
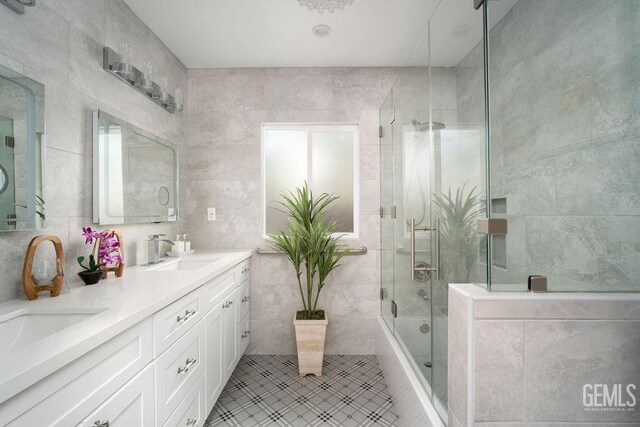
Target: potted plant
x,y
104,253
312,248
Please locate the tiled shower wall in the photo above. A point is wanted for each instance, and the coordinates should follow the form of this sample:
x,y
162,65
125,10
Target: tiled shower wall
x,y
226,110
564,78
59,43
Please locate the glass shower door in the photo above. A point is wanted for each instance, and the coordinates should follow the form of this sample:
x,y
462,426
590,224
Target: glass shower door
x,y
412,263
386,220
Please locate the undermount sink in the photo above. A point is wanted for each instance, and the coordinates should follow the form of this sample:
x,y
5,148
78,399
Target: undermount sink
x,y
25,326
182,265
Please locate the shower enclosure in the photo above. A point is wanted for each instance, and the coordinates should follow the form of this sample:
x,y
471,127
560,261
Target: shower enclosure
x,y
501,112
433,184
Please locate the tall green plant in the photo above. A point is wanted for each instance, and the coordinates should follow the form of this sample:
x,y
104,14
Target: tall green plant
x,y
309,244
458,215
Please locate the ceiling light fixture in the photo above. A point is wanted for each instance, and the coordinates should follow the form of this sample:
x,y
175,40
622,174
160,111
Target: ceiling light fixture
x,y
321,30
322,5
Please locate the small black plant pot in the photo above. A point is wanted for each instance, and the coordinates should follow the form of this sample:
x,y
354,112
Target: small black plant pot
x,y
91,277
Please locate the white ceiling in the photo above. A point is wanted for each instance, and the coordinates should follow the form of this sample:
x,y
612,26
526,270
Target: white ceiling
x,y
277,33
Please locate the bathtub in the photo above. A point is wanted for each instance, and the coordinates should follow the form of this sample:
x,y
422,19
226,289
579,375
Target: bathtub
x,y
402,358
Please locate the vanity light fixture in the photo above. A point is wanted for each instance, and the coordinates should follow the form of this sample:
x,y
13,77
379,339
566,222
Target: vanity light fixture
x,y
120,66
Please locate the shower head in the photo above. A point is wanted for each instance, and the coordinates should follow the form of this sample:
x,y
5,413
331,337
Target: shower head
x,y
425,125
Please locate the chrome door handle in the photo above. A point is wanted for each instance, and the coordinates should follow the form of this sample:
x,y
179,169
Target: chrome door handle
x,y
245,334
101,424
191,362
413,267
191,421
437,248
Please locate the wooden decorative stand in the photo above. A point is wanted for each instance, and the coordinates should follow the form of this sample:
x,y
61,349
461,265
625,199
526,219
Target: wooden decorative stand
x,y
118,269
29,283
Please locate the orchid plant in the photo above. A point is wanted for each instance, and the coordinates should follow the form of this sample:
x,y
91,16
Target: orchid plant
x,y
106,249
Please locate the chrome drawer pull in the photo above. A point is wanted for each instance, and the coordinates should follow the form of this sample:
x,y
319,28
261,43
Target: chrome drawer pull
x,y
191,421
246,334
225,305
230,302
245,299
188,364
187,315
101,424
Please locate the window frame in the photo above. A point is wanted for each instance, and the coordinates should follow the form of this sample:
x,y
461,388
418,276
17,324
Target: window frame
x,y
310,128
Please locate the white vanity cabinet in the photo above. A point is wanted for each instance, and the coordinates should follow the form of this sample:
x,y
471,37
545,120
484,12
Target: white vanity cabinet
x,y
67,396
223,326
168,370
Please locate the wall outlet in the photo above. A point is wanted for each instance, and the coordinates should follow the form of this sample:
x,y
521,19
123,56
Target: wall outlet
x,y
211,214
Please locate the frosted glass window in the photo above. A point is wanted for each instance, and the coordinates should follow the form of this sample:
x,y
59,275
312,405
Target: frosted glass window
x,y
324,156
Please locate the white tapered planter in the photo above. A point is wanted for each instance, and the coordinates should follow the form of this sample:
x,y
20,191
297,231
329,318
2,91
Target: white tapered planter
x,y
310,335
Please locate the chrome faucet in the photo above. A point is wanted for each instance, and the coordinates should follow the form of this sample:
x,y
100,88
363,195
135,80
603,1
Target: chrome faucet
x,y
153,247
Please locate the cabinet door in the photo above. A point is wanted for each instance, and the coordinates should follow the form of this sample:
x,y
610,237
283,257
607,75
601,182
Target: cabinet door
x,y
230,333
243,335
214,356
243,300
132,405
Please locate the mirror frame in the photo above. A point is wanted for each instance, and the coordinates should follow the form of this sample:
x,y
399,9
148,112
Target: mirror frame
x,y
33,218
99,114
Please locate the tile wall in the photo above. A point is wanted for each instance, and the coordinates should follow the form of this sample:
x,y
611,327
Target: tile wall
x,y
226,110
564,141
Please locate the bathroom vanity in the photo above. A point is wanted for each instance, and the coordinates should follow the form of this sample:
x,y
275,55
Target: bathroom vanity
x,y
153,348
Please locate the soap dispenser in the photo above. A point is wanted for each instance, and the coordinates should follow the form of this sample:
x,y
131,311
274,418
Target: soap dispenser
x,y
179,246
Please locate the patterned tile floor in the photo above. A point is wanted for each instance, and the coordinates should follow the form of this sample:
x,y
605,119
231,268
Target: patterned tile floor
x,y
267,391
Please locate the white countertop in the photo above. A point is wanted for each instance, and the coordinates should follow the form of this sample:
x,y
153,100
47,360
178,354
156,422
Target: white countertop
x,y
126,301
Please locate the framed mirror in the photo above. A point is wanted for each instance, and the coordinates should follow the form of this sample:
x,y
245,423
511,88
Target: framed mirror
x,y
22,205
135,174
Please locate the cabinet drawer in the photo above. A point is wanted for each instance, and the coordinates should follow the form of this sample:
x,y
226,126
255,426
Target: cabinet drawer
x,y
244,334
177,369
191,411
132,405
243,271
67,396
243,299
173,321
217,289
